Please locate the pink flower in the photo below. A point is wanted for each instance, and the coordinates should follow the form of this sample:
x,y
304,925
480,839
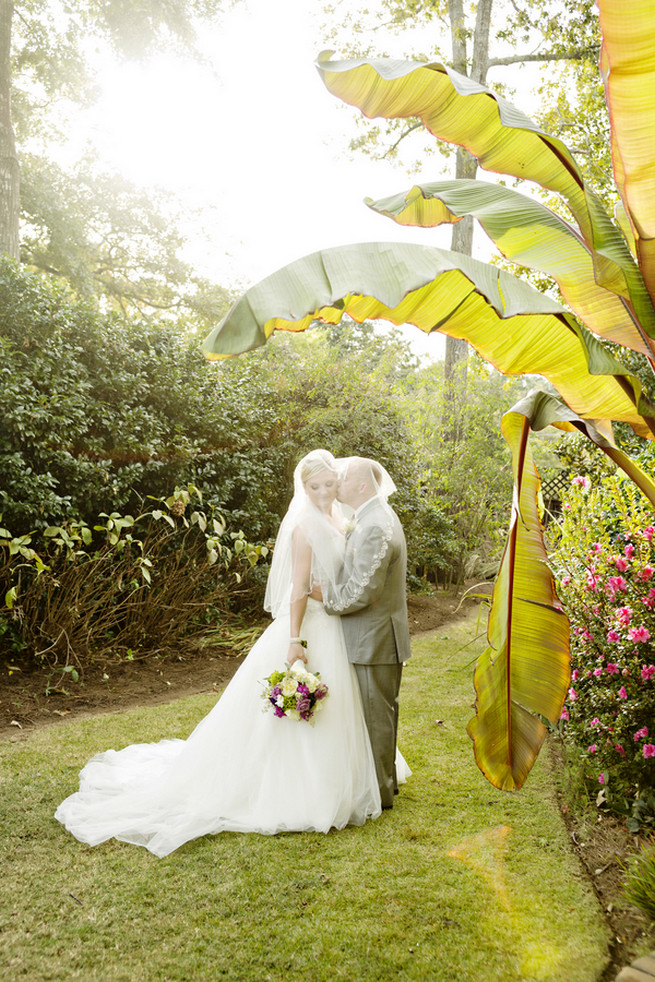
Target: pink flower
x,y
612,668
575,675
622,693
649,750
641,734
598,671
591,749
629,551
619,749
565,716
573,695
625,672
566,580
611,637
592,582
595,721
601,779
620,563
615,584
645,573
623,614
639,634
597,547
648,532
647,672
581,482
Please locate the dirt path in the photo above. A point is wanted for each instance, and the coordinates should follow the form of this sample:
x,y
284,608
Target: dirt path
x,y
110,686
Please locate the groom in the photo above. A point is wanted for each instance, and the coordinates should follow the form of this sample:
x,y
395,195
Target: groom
x,y
371,600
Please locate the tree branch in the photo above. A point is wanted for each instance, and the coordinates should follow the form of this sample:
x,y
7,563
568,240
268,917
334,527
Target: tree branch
x,y
573,55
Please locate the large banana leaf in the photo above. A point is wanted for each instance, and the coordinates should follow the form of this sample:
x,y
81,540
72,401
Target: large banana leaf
x,y
513,326
524,673
458,110
532,235
628,65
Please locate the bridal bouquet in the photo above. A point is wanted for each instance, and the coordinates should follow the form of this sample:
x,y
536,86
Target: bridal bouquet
x,y
295,693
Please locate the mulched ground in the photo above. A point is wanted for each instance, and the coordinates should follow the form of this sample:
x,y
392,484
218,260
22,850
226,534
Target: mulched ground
x,y
24,707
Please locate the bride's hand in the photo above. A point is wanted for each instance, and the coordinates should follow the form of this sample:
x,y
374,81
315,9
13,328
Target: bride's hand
x,y
296,653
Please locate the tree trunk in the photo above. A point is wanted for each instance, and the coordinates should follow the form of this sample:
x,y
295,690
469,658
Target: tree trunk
x,y
9,171
462,234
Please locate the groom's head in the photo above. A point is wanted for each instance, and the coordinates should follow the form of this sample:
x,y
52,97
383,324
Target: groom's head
x,y
358,481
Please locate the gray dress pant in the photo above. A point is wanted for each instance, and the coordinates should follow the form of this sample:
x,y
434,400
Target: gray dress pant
x,y
379,686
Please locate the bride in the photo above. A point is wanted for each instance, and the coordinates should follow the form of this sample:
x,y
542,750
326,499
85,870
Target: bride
x,y
243,769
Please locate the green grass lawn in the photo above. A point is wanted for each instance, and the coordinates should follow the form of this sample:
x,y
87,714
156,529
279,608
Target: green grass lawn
x,y
458,882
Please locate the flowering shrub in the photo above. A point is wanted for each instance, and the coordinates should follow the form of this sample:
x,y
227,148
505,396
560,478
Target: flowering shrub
x,y
605,565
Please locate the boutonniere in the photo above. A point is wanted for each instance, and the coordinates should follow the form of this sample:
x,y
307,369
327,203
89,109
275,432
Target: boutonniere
x,y
349,527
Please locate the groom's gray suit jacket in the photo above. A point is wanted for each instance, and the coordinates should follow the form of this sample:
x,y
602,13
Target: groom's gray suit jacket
x,y
371,595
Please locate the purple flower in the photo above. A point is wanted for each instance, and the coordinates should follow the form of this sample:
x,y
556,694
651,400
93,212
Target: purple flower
x,y
303,705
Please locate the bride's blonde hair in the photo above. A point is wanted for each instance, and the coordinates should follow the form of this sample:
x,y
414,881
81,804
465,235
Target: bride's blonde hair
x,y
315,462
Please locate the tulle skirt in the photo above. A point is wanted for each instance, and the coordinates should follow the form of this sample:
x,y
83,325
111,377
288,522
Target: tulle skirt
x,y
242,769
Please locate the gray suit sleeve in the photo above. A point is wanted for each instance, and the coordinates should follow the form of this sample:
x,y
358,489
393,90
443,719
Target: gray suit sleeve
x,y
366,577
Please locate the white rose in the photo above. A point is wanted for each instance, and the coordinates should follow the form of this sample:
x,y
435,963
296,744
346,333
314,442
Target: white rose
x,y
289,687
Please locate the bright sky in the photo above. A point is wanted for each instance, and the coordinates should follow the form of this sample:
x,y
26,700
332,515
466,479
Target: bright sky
x,y
256,142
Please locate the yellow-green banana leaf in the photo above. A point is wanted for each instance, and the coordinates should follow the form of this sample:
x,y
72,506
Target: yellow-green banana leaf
x,y
517,329
530,234
628,66
458,110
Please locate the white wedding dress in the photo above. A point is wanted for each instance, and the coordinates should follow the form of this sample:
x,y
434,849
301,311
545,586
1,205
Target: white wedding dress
x,y
242,769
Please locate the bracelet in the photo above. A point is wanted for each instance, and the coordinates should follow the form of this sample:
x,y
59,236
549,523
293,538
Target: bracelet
x,y
298,641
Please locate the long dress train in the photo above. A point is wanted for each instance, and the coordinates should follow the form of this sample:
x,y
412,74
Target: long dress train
x,y
242,769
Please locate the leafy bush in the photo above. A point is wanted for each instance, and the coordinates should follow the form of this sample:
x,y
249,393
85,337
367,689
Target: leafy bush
x,y
606,571
157,581
99,413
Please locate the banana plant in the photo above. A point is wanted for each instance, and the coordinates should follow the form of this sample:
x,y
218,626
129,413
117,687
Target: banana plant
x,y
605,272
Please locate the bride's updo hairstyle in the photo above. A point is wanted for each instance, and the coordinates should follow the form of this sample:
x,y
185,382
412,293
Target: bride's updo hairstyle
x,y
314,463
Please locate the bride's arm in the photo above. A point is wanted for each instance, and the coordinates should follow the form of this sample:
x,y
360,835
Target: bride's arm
x,y
301,567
